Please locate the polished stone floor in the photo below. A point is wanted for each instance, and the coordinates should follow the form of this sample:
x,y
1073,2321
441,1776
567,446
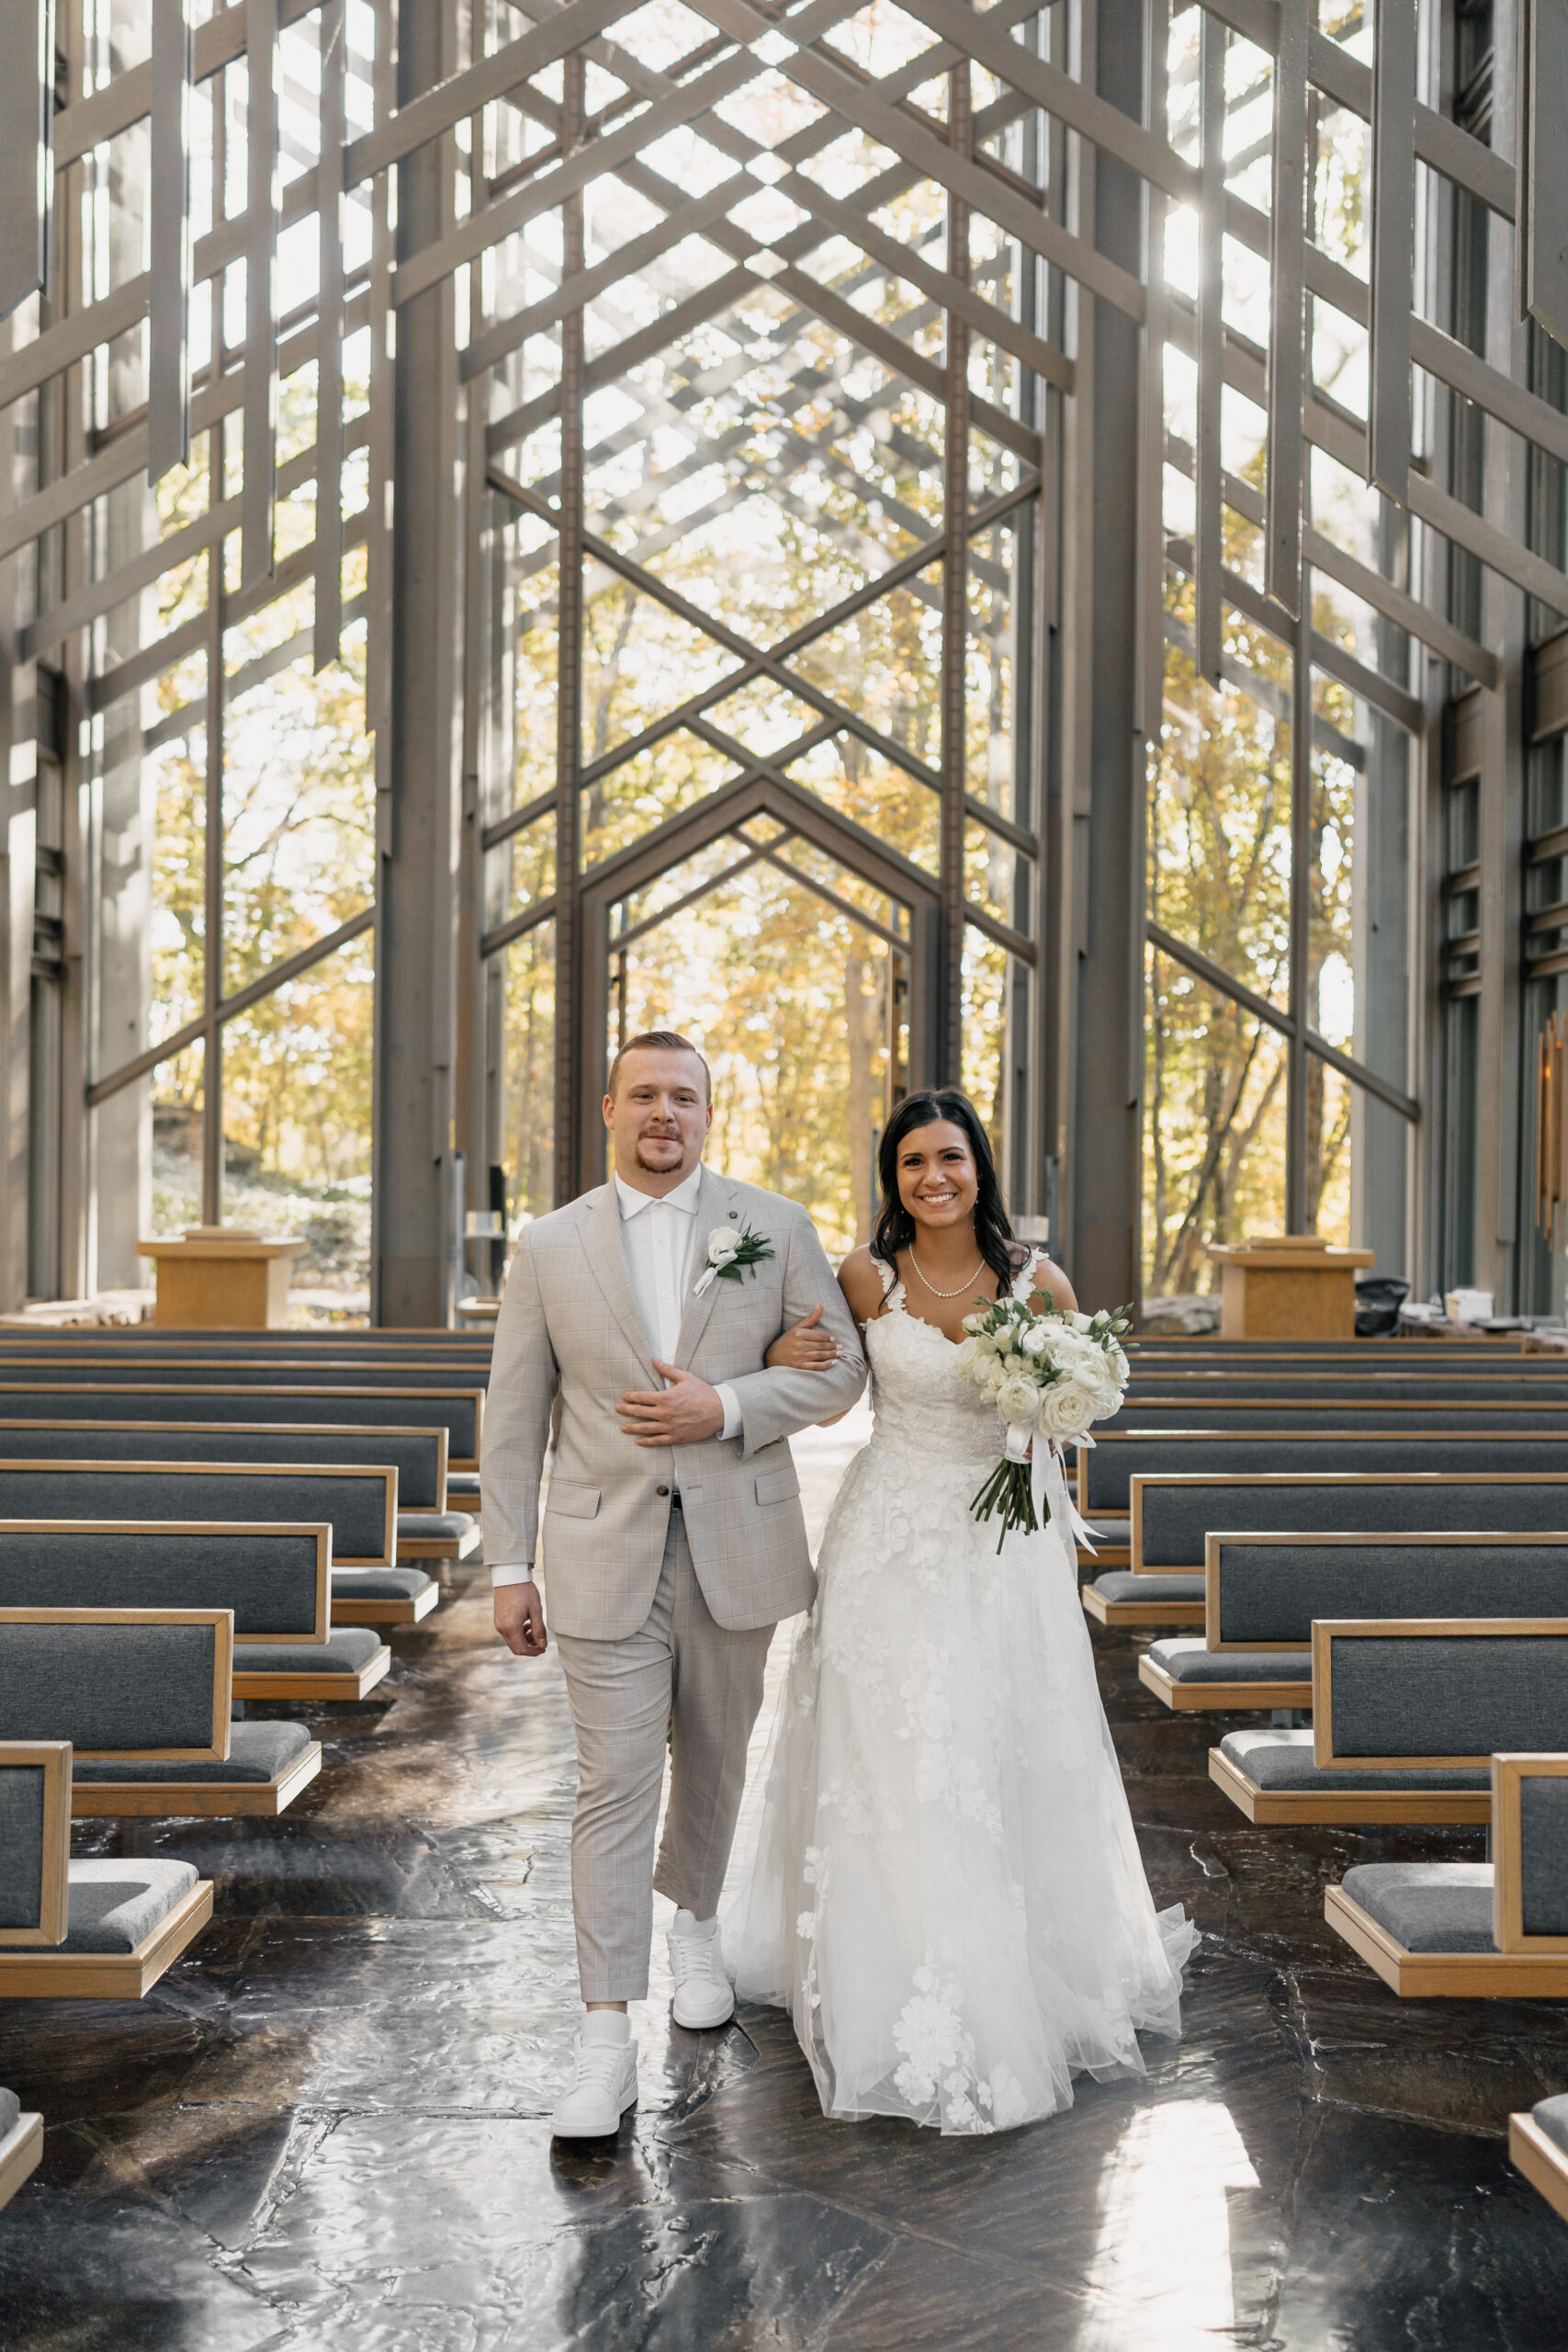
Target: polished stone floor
x,y
325,2127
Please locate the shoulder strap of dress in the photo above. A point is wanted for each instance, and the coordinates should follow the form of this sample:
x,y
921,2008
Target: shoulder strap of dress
x,y
1023,1281
888,1275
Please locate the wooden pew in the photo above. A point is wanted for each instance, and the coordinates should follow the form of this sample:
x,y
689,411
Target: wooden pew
x,y
1537,2146
357,1501
195,1396
21,2139
89,1930
1107,1472
1174,1515
1262,1594
274,1578
1403,1726
1494,1930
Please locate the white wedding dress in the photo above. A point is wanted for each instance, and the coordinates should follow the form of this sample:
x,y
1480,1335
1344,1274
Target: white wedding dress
x,y
946,1892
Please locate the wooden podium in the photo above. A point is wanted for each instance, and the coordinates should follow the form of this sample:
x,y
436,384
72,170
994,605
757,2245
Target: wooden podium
x,y
215,1278
1288,1286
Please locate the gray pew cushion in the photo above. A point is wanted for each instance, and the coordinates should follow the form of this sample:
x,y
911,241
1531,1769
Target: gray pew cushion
x,y
108,1686
378,1584
256,1752
452,1524
463,1482
10,2109
268,1580
1552,2114
1428,1907
115,1905
1272,1592
1282,1760
21,1844
1178,1518
351,1647
1543,1857
1449,1695
1121,1584
1189,1661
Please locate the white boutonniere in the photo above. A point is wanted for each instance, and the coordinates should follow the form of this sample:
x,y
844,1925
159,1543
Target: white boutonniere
x,y
729,1254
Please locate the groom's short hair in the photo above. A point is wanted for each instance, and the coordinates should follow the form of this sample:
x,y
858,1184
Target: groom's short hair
x,y
665,1041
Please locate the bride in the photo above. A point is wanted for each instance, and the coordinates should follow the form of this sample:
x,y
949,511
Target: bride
x,y
946,1892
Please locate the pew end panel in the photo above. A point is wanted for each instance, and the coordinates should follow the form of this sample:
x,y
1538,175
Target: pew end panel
x,y
1542,2157
216,1657
1529,1848
313,1537
21,2146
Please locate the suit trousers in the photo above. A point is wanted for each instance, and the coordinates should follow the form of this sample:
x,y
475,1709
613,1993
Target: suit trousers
x,y
681,1683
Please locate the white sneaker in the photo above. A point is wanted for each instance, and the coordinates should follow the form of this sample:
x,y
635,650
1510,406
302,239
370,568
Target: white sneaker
x,y
704,1995
602,2086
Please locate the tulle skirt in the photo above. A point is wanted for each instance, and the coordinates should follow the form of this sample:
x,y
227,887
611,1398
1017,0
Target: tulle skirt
x,y
936,1871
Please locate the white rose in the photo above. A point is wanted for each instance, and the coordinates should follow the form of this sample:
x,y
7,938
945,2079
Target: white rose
x,y
722,1245
1018,1398
991,1379
1036,1339
1067,1407
1080,1322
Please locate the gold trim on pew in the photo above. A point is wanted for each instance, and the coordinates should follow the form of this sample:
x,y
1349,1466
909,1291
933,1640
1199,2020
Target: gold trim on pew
x,y
284,1431
222,1622
1509,1772
20,2152
1327,1631
1173,1613
1264,1480
476,1396
108,1975
1350,1808
1221,1698
207,1800
320,1528
284,1683
402,1611
1543,2164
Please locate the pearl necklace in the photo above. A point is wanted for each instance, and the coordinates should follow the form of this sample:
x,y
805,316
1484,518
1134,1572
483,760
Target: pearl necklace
x,y
947,1294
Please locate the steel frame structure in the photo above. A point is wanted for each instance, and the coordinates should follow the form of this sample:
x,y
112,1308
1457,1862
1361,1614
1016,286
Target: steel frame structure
x,y
1026,312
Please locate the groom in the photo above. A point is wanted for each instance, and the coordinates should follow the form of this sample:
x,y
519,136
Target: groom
x,y
673,1539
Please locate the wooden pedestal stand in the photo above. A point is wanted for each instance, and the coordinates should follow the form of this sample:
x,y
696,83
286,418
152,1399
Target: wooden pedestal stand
x,y
216,1279
1288,1286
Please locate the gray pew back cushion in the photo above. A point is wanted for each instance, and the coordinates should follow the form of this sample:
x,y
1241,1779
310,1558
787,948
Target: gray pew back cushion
x,y
116,1906
1543,1854
275,1579
1427,1906
1173,1516
354,1504
1406,1690
1270,1589
118,1680
417,1456
202,1397
10,2111
21,1844
1116,1461
35,1839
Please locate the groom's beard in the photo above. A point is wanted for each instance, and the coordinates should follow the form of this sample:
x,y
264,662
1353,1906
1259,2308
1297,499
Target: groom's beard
x,y
652,1167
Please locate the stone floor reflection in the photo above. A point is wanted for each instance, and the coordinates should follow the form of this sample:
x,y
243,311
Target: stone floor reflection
x,y
327,2127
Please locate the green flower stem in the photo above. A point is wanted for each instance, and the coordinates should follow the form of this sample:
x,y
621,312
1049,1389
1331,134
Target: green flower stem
x,y
1009,1489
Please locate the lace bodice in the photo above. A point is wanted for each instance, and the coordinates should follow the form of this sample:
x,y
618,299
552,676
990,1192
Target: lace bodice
x,y
920,1402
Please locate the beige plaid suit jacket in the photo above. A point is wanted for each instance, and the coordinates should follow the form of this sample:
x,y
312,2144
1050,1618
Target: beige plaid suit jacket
x,y
569,1327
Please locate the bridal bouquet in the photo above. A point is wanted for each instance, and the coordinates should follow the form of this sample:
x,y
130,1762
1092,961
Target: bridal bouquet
x,y
1049,1373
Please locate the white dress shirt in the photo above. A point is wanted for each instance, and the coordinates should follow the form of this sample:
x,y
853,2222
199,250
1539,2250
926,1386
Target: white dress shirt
x,y
658,1235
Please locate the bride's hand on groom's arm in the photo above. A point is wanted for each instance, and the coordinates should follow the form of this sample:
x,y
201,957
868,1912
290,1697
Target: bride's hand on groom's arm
x,y
520,1619
804,1348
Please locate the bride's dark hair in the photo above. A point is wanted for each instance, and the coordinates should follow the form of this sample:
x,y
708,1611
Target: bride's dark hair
x,y
895,1227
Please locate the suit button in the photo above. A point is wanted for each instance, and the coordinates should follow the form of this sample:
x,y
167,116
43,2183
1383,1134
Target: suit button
x,y
661,1490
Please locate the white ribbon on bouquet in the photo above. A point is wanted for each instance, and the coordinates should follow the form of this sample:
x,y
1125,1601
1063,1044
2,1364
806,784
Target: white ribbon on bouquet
x,y
1048,1479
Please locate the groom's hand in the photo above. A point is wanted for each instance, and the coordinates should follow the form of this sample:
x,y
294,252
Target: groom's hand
x,y
688,1409
520,1620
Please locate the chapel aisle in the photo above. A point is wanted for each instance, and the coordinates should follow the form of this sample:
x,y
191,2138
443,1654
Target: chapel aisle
x,y
326,2126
